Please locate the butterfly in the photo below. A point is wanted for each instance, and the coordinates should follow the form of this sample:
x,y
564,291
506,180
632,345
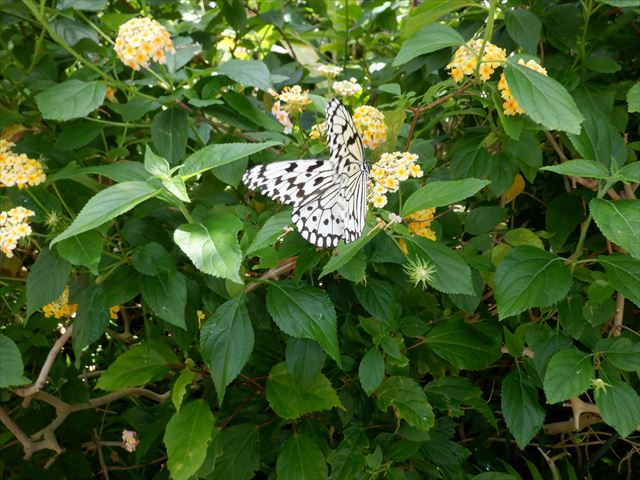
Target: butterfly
x,y
329,197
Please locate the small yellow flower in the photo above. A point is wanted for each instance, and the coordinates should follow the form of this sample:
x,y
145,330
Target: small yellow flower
x,y
14,226
129,440
389,171
18,170
141,40
419,223
61,307
318,131
379,201
111,95
369,122
465,60
294,99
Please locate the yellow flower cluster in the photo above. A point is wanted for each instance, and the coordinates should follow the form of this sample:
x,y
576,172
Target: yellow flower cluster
x,y
370,124
347,88
294,98
283,117
141,40
388,172
18,170
113,312
419,223
465,60
60,307
510,105
329,71
14,225
228,45
318,131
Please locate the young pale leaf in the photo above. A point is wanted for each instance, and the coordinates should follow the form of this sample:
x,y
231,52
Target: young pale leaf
x,y
240,453
530,277
186,437
346,251
155,164
71,99
11,366
568,374
179,387
426,40
84,249
289,400
107,205
623,272
442,193
169,132
226,341
213,156
580,168
47,279
304,312
409,401
347,461
619,406
522,412
371,370
524,27
462,345
270,231
167,296
138,365
250,73
213,246
542,98
301,459
92,318
619,222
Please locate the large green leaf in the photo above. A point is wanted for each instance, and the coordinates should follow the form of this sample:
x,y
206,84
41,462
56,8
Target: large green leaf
x,y
524,27
167,296
623,272
580,168
47,280
347,461
304,312
409,402
440,194
379,299
530,277
371,370
305,360
622,353
84,249
169,132
213,156
289,400
213,245
426,40
568,374
619,406
619,221
633,98
462,345
270,231
11,366
226,341
240,453
92,318
106,205
70,99
344,252
186,437
301,459
250,73
139,365
522,412
542,98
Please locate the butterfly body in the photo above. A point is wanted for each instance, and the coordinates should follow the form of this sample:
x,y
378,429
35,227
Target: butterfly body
x,y
329,197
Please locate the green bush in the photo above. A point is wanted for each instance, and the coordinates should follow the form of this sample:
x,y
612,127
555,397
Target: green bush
x,y
161,320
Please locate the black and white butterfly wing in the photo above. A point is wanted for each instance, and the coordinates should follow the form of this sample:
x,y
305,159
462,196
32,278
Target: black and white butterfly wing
x,y
328,196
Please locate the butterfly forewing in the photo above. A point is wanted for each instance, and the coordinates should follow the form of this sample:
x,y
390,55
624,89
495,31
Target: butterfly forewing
x,y
329,196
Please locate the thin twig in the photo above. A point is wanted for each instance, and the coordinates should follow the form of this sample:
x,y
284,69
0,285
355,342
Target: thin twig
x,y
25,441
274,273
616,328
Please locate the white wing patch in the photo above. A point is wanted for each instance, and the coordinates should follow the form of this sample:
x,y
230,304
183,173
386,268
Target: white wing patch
x,y
328,196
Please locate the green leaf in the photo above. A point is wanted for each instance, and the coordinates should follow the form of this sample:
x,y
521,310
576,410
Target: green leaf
x,y
452,274
152,259
462,345
213,246
428,13
226,342
347,460
344,252
524,27
378,298
580,168
169,132
568,374
70,99
47,280
213,156
304,312
426,40
249,110
622,353
167,296
301,459
633,98
241,453
139,365
155,164
288,400
624,274
529,277
249,73
496,476
545,100
619,406
78,134
87,5
92,318
84,249
440,194
187,437
371,370
522,412
409,402
305,360
629,173
11,366
619,222
179,387
270,231
107,205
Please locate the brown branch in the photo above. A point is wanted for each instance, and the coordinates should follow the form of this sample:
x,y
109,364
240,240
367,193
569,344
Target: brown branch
x,y
526,352
25,441
285,266
616,328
